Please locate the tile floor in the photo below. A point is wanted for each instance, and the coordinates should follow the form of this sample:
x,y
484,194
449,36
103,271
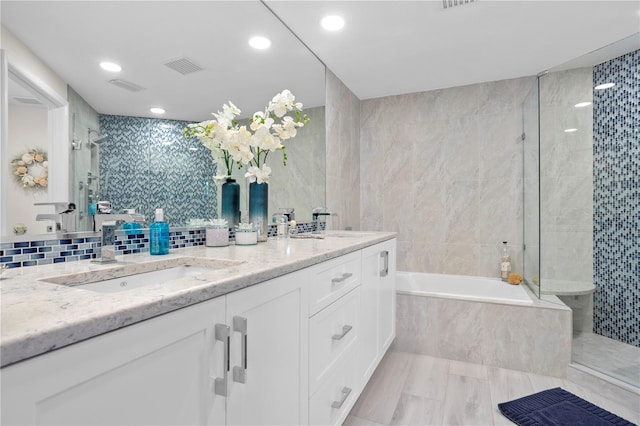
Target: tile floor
x,y
410,389
608,356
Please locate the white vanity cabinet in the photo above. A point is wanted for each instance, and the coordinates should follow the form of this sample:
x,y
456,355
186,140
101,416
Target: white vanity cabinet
x,y
293,350
175,369
157,372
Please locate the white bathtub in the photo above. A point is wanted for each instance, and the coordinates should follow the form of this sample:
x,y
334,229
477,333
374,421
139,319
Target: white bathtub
x,y
461,287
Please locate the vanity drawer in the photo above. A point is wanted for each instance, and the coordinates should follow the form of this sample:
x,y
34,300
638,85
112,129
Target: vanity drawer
x,y
332,332
334,279
337,394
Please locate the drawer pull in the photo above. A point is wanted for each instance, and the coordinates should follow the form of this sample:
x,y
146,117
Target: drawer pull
x,y
344,277
345,395
385,271
240,372
345,330
222,335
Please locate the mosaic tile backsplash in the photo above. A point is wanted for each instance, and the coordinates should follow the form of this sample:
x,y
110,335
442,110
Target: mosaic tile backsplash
x,y
147,164
57,250
616,199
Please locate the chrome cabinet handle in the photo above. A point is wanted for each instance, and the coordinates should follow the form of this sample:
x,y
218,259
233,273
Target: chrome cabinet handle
x,y
344,277
385,270
345,394
220,383
345,330
240,373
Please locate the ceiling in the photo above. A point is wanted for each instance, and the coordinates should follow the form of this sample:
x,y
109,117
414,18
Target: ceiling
x,y
385,48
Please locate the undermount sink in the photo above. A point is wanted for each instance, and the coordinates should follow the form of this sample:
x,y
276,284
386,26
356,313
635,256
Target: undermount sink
x,y
132,276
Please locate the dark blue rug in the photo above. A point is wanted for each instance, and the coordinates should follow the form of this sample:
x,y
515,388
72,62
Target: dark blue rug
x,y
557,407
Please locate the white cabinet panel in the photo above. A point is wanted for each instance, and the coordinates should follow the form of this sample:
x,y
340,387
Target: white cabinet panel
x,y
337,394
333,279
272,354
159,371
332,331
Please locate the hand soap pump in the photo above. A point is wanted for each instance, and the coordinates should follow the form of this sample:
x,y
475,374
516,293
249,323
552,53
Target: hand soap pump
x,y
505,262
159,235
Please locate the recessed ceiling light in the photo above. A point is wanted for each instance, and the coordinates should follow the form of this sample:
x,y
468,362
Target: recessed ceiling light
x,y
332,23
157,110
604,86
582,104
110,66
259,42
570,130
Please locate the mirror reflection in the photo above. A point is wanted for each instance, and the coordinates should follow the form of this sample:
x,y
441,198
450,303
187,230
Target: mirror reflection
x,y
135,161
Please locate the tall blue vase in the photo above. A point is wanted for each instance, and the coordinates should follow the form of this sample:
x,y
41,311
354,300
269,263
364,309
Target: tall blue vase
x,y
259,208
231,202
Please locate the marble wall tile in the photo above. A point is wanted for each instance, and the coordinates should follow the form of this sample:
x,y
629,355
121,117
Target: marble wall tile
x,y
465,143
343,154
533,339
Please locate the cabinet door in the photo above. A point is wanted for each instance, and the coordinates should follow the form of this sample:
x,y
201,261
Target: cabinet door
x,y
157,372
386,295
378,305
369,292
269,353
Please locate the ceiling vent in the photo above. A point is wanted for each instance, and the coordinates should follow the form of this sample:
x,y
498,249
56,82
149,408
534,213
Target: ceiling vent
x,y
183,65
27,101
127,85
452,3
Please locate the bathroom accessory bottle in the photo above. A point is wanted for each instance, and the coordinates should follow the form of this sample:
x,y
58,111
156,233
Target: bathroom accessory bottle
x,y
505,262
159,235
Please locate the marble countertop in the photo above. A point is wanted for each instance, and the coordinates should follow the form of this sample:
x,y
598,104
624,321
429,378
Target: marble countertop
x,y
39,316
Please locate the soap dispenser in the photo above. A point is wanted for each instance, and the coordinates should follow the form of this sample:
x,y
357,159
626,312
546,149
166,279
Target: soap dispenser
x,y
159,235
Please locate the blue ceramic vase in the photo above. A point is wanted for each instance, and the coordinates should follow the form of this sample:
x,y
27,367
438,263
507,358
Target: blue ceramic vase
x,y
231,202
259,208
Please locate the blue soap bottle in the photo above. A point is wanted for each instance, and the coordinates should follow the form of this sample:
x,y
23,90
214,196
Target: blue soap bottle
x,y
159,235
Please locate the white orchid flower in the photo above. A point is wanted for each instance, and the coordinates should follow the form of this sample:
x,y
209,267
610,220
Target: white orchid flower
x,y
281,103
260,175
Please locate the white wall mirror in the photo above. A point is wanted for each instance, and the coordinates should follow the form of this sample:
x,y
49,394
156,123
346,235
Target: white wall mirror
x,y
216,39
34,126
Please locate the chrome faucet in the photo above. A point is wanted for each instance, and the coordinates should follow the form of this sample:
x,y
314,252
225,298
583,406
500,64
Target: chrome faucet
x,y
100,219
108,249
64,218
315,215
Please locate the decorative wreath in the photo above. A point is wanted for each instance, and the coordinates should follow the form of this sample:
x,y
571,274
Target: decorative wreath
x,y
31,169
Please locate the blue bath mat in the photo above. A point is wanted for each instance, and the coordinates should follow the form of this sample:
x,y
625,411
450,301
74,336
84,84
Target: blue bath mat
x,y
557,407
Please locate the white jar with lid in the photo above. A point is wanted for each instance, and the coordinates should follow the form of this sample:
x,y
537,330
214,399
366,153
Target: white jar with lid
x,y
246,234
217,233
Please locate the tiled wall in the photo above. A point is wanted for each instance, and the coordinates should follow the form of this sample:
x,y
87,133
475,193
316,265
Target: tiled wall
x,y
147,164
566,186
535,339
86,245
82,117
344,190
444,170
616,198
